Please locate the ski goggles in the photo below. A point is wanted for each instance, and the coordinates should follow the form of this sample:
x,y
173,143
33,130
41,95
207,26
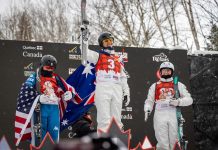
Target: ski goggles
x,y
49,67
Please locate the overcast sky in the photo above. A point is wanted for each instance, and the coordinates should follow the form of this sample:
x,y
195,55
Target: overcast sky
x,y
3,5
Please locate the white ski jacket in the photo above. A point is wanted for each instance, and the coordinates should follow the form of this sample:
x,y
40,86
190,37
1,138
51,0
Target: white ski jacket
x,y
184,100
121,78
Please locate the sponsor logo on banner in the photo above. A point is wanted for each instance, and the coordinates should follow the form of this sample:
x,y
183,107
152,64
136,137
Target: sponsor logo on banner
x,y
73,54
32,51
71,70
160,57
75,57
127,109
127,116
125,55
28,70
29,67
38,47
73,50
32,54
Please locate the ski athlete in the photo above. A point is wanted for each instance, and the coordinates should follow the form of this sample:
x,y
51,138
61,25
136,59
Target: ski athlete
x,y
112,89
165,117
51,93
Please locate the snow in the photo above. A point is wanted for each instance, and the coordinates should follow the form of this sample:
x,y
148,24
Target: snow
x,y
200,52
171,48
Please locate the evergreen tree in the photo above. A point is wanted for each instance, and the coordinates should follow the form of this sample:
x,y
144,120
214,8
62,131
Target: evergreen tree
x,y
213,38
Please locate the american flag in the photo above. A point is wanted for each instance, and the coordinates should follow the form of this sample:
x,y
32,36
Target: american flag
x,y
83,81
26,102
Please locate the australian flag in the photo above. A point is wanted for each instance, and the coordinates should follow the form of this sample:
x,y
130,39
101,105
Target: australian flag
x,y
83,81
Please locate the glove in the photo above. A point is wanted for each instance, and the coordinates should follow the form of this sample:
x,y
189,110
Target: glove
x,y
83,27
67,96
31,80
147,112
126,100
174,102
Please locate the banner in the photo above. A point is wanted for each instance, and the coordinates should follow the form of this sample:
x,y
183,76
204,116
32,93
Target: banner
x,y
19,59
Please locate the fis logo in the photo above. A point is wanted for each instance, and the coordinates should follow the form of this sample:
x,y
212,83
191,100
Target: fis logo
x,y
73,50
28,70
160,57
29,67
73,54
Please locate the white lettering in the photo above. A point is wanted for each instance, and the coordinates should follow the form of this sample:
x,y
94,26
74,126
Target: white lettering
x,y
28,73
32,47
29,47
74,57
127,109
128,117
27,54
71,70
161,57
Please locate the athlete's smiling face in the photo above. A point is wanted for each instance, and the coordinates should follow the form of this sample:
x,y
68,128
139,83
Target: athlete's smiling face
x,y
107,42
